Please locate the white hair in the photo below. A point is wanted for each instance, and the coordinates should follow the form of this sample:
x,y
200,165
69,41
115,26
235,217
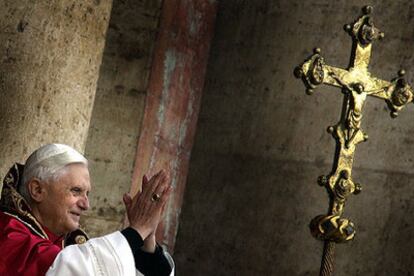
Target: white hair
x,y
48,163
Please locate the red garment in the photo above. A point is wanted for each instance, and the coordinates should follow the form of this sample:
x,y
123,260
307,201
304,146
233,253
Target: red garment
x,y
22,252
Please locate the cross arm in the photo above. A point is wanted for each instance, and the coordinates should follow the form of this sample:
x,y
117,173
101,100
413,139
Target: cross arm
x,y
314,72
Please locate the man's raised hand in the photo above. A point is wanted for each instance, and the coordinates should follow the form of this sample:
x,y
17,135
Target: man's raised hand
x,y
144,211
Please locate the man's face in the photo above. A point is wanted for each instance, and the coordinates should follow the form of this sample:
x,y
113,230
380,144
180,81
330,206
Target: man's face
x,y
66,200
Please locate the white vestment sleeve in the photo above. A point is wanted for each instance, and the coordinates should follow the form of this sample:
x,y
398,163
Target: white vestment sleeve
x,y
108,255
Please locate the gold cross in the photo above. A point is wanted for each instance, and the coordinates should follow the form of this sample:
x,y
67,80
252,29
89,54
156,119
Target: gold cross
x,y
356,83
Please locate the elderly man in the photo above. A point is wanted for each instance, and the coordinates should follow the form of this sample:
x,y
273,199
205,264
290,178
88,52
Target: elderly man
x,y
41,205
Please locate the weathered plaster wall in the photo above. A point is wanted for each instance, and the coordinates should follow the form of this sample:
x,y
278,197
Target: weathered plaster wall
x,y
118,110
50,53
261,143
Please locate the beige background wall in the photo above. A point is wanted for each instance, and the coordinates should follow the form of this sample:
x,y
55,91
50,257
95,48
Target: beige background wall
x,y
118,110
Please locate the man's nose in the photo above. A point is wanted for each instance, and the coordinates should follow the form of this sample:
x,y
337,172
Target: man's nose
x,y
84,203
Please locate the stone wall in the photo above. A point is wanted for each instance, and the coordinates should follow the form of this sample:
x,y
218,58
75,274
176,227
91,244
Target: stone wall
x,y
118,110
261,143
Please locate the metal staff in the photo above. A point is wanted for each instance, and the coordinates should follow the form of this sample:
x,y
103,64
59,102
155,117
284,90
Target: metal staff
x,y
356,83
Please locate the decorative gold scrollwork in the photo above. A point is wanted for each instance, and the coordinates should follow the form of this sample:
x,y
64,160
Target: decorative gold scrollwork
x,y
312,74
344,186
363,30
316,73
332,228
401,94
367,32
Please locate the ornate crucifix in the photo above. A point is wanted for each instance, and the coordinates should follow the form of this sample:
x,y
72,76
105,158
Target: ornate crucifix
x,y
356,84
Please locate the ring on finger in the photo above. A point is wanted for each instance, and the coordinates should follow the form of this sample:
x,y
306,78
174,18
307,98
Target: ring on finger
x,y
155,197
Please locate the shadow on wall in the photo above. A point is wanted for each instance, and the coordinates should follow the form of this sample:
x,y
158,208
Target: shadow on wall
x,y
118,110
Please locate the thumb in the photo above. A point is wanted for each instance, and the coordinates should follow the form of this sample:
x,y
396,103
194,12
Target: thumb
x,y
127,199
145,179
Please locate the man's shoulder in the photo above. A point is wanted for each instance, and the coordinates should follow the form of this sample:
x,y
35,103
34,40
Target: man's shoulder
x,y
23,250
17,234
7,219
9,222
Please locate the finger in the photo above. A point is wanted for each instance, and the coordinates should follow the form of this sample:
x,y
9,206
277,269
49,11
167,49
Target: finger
x,y
128,203
165,200
163,185
162,203
155,181
148,182
158,205
127,199
161,188
144,183
168,192
165,195
145,180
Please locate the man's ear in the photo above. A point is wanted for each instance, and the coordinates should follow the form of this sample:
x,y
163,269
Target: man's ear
x,y
36,189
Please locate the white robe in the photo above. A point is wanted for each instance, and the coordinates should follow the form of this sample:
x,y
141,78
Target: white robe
x,y
109,255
